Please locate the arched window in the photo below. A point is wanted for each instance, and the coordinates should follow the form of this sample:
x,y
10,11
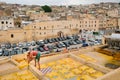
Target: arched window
x,y
12,35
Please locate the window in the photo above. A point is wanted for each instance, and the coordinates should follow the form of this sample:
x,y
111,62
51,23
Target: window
x,y
76,25
34,26
2,22
44,27
24,32
40,28
52,26
44,32
6,22
40,33
65,26
12,35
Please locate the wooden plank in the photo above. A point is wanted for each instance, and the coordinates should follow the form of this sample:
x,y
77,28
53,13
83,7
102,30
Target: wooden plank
x,y
4,60
7,67
37,73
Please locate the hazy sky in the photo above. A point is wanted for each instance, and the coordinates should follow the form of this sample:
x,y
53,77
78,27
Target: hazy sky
x,y
57,2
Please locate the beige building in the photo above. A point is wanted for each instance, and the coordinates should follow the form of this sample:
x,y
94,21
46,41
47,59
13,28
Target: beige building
x,y
112,23
108,23
113,12
102,24
119,23
48,29
89,24
6,23
37,31
101,11
41,16
51,28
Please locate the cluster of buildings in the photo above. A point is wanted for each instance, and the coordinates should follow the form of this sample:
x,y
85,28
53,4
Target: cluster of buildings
x,y
20,23
113,40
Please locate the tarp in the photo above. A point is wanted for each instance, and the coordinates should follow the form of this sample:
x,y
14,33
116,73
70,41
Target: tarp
x,y
115,36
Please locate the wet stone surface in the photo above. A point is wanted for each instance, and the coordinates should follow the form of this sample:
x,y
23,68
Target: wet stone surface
x,y
112,66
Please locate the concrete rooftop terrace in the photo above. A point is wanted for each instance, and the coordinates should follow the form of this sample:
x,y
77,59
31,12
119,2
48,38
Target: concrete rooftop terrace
x,y
86,56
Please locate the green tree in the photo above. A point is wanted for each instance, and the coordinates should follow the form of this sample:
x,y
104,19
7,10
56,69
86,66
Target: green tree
x,y
47,8
95,33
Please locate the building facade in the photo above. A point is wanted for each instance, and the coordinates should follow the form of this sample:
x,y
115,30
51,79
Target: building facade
x,y
113,41
48,29
6,23
40,16
113,12
119,23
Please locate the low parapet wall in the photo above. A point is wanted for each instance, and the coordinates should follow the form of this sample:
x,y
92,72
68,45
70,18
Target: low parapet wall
x,y
9,66
114,75
53,58
91,64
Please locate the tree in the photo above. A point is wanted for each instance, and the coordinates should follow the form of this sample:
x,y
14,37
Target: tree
x,y
95,33
47,8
